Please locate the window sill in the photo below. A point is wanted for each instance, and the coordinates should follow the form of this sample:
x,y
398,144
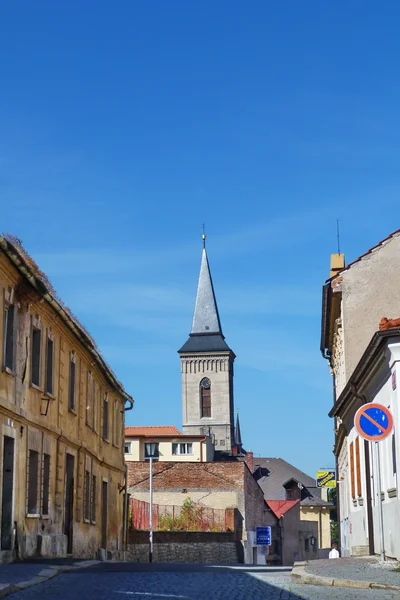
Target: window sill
x,y
32,516
8,371
73,411
86,521
105,440
36,387
183,454
45,517
49,395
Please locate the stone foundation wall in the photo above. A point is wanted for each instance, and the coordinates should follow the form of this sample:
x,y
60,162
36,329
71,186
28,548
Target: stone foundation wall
x,y
185,547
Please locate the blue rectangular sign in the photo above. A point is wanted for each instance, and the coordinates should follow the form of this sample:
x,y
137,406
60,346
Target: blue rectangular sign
x,y
263,536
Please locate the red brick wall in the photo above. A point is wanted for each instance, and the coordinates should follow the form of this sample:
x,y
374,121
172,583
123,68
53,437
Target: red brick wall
x,y
174,475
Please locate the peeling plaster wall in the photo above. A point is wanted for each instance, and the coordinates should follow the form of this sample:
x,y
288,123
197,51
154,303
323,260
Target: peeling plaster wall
x,y
59,432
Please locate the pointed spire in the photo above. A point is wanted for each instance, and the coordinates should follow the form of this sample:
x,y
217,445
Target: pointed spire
x,y
206,317
238,435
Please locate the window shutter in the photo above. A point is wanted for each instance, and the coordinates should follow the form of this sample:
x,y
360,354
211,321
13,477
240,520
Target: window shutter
x,y
353,487
358,467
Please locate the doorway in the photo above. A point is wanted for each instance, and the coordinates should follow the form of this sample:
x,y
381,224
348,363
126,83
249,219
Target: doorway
x,y
7,494
69,500
104,494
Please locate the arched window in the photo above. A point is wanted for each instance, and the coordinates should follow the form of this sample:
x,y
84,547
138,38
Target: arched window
x,y
205,397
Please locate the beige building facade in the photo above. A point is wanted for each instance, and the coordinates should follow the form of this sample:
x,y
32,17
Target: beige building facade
x,y
61,423
355,299
169,445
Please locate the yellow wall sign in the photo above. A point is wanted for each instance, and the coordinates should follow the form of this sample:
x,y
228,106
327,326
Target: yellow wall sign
x,y
326,479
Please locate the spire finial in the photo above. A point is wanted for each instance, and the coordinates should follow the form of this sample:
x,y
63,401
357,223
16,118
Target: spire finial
x,y
203,237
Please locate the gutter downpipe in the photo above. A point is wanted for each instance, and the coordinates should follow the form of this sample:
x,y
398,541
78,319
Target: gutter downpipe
x,y
370,517
125,526
337,475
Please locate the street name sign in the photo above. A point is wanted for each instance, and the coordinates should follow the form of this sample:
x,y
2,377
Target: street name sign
x,y
373,422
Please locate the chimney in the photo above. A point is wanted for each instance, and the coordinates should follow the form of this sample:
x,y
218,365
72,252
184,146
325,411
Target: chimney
x,y
337,264
249,461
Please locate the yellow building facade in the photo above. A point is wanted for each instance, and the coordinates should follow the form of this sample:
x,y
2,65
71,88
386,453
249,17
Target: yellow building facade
x,y
61,423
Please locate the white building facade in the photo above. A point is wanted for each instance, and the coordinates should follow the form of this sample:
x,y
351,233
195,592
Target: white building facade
x,y
374,380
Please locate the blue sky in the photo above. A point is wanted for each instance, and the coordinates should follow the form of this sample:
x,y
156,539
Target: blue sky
x,y
124,126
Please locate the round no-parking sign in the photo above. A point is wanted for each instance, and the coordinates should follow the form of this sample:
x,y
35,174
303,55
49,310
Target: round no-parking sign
x,y
374,422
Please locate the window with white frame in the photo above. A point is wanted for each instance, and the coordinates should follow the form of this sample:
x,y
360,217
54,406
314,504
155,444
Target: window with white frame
x,y
182,448
128,447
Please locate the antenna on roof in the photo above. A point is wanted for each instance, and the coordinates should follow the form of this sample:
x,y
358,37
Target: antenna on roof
x,y
338,235
204,236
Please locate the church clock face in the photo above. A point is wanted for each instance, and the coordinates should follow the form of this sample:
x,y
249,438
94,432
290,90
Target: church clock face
x,y
205,383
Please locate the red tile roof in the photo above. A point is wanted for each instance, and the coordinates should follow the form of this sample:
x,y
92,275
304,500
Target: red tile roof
x,y
386,324
280,507
152,431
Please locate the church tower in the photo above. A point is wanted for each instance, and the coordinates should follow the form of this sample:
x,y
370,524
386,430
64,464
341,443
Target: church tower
x,y
207,370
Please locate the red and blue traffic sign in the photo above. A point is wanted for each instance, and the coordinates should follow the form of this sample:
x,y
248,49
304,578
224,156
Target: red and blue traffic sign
x,y
373,422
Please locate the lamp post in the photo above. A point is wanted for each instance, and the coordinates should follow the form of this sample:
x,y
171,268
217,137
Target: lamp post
x,y
150,452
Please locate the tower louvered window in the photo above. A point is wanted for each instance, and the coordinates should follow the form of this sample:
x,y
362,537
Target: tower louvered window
x,y
205,397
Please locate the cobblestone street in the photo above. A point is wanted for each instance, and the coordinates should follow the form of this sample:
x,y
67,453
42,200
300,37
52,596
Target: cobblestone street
x,y
115,581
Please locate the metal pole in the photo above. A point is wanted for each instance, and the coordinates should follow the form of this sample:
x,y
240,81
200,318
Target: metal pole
x,y
381,532
151,512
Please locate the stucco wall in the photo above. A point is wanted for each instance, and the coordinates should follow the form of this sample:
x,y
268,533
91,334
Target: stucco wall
x,y
59,432
322,517
370,291
202,450
290,535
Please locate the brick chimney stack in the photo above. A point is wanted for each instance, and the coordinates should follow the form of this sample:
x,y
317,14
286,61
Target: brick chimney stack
x,y
337,264
249,461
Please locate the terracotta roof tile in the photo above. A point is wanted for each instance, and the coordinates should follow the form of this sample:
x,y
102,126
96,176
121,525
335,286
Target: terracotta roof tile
x,y
152,431
280,507
386,324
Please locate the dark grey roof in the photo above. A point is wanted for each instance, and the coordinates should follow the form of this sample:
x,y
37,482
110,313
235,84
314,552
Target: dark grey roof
x,y
313,501
275,472
238,435
205,343
206,317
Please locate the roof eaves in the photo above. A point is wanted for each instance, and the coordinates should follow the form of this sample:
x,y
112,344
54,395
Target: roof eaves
x,y
43,287
378,340
325,319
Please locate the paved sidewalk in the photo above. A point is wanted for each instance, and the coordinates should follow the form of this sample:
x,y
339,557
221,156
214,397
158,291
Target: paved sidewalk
x,y
365,572
21,575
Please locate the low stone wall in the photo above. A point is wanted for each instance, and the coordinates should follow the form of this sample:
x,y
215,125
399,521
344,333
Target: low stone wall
x,y
185,547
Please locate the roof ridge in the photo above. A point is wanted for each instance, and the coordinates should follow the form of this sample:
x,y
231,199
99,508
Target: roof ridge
x,y
19,257
372,249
